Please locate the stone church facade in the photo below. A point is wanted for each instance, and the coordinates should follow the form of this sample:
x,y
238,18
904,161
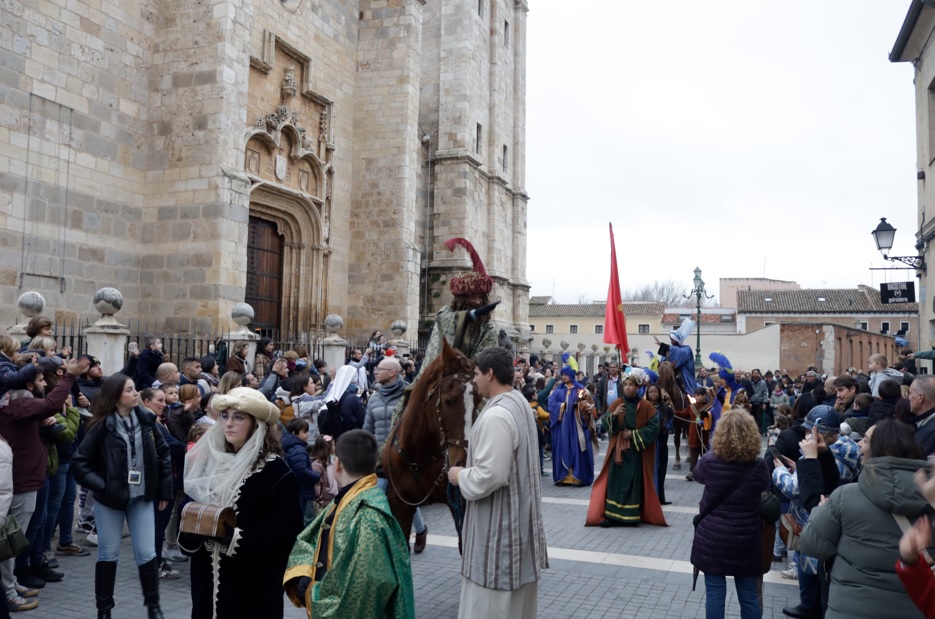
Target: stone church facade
x,y
307,156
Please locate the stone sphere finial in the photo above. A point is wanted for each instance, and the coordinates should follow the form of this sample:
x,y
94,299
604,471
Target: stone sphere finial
x,y
581,347
108,301
242,314
546,342
564,344
606,349
333,324
594,347
399,327
30,304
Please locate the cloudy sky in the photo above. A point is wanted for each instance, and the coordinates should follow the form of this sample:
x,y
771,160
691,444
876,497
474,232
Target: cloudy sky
x,y
743,137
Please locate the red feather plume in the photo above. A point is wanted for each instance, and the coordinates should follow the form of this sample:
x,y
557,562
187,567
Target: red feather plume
x,y
478,264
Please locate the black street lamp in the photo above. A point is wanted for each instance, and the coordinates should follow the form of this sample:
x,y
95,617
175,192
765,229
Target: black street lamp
x,y
883,236
698,292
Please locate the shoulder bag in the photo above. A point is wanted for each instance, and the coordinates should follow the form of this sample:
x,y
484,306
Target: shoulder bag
x,y
13,541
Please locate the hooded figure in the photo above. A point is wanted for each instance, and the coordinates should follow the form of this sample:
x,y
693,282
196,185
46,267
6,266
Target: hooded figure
x,y
572,449
680,356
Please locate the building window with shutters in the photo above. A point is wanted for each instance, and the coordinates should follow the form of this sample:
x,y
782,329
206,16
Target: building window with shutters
x,y
904,327
573,329
549,329
598,329
644,329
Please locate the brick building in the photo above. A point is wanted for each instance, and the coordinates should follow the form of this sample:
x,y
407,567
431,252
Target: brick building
x,y
859,308
830,347
307,156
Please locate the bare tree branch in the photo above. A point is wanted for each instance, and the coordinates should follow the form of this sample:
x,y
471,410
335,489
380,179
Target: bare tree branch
x,y
670,292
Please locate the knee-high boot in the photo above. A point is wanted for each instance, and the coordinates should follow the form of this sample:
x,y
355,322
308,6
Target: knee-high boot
x,y
105,572
149,579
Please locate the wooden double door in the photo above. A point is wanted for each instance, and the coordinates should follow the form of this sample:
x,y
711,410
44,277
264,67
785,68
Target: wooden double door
x,y
265,275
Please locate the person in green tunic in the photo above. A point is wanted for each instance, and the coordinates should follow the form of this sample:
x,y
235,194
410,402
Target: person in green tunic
x,y
624,493
352,560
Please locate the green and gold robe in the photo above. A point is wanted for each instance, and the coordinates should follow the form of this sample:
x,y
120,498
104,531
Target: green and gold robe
x,y
367,559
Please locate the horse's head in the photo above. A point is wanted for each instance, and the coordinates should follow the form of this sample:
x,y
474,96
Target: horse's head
x,y
456,401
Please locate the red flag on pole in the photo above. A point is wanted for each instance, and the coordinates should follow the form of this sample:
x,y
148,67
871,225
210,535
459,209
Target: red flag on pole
x,y
615,324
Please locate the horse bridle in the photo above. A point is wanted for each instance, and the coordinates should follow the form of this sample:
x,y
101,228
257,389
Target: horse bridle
x,y
445,444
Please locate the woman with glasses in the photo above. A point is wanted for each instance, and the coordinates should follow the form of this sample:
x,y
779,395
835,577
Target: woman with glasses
x,y
238,463
125,462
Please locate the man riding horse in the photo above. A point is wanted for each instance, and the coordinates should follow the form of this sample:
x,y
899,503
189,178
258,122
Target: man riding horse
x,y
463,325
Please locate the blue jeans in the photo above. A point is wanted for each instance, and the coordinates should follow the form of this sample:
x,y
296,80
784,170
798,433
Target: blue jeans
x,y
33,555
716,594
141,518
418,525
162,523
808,587
57,485
66,514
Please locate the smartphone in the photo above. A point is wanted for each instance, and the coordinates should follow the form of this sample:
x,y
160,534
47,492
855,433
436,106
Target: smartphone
x,y
775,452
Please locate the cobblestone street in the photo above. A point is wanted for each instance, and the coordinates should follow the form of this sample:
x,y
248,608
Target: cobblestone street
x,y
594,572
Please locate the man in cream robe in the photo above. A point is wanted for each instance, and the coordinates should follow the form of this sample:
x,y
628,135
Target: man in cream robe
x,y
504,537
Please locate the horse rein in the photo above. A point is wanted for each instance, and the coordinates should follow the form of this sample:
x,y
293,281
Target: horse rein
x,y
445,443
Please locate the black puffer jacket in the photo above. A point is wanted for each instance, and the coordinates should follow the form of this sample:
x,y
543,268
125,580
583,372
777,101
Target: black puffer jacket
x,y
727,541
101,462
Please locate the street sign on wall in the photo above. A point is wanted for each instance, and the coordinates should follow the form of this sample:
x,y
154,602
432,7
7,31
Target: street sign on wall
x,y
893,293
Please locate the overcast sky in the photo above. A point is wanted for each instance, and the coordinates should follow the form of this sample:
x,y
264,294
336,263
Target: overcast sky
x,y
744,137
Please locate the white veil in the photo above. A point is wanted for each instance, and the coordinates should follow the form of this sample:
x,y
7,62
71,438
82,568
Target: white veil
x,y
213,475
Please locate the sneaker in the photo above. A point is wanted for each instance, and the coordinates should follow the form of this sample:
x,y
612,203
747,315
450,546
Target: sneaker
x,y
16,604
26,592
172,553
47,574
689,477
92,538
166,572
26,578
48,556
72,550
84,526
790,574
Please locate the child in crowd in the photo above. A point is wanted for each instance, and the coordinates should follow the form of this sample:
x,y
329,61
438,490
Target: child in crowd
x,y
780,423
295,448
10,376
322,453
196,433
857,419
542,419
180,415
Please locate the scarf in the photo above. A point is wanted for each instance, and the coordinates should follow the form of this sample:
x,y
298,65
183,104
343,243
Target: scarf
x,y
212,475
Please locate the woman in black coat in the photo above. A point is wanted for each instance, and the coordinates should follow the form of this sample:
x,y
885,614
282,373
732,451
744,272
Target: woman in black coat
x,y
238,463
728,532
124,461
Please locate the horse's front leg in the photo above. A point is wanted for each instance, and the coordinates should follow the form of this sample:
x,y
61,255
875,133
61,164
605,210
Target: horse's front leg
x,y
403,514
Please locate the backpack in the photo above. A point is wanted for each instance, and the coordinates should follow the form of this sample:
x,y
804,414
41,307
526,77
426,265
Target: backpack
x,y
330,420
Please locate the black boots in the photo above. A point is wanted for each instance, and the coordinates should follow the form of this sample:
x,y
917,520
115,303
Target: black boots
x,y
105,572
149,579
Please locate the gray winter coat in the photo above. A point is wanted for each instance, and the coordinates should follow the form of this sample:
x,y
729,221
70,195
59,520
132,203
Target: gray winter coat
x,y
856,527
878,377
380,409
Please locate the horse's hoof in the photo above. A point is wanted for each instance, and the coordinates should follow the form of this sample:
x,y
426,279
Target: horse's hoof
x,y
420,541
676,467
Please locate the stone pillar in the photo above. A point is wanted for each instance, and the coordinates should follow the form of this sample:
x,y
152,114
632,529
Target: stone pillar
x,y
30,305
107,339
335,346
242,314
401,345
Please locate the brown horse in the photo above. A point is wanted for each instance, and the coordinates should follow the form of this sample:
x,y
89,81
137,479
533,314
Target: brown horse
x,y
430,436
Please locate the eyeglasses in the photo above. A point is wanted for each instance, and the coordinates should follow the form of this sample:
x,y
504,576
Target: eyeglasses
x,y
237,418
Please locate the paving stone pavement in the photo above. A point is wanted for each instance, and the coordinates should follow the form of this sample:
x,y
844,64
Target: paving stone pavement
x,y
568,589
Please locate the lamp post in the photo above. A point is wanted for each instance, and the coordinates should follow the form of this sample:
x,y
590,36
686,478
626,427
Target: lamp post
x,y
883,236
698,292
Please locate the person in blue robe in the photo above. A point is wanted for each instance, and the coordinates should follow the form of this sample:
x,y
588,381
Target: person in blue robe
x,y
572,450
680,355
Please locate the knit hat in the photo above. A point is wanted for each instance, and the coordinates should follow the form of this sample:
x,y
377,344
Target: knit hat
x,y
249,401
474,282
